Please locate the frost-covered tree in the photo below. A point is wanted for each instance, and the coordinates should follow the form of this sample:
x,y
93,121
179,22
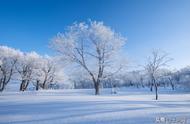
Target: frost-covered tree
x,y
8,59
137,78
155,62
168,78
48,72
91,45
25,68
182,78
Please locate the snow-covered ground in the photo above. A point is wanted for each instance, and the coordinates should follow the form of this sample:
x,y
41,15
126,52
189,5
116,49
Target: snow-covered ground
x,y
129,106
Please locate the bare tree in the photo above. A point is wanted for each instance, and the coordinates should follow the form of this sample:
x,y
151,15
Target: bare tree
x,y
138,78
7,70
90,45
168,75
8,59
154,63
37,76
25,67
48,72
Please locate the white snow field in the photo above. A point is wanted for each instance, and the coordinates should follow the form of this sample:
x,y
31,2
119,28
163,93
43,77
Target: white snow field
x,y
129,106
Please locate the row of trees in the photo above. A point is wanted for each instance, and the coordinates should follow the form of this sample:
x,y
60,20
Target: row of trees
x,y
163,78
95,50
26,68
40,71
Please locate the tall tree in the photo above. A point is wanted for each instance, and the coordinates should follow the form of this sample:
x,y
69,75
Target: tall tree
x,y
8,59
155,62
48,72
90,45
25,68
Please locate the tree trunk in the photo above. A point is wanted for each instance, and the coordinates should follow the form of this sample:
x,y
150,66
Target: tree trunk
x,y
155,86
2,87
43,85
26,85
156,90
3,83
22,85
172,84
37,85
97,88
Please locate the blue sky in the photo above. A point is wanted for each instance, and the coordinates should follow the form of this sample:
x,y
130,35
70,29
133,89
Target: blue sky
x,y
148,24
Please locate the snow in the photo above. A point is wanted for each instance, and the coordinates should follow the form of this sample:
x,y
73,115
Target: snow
x,y
129,106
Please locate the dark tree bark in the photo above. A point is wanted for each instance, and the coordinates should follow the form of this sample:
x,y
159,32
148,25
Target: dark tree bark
x,y
2,87
37,85
27,83
156,90
24,84
97,88
155,86
44,84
